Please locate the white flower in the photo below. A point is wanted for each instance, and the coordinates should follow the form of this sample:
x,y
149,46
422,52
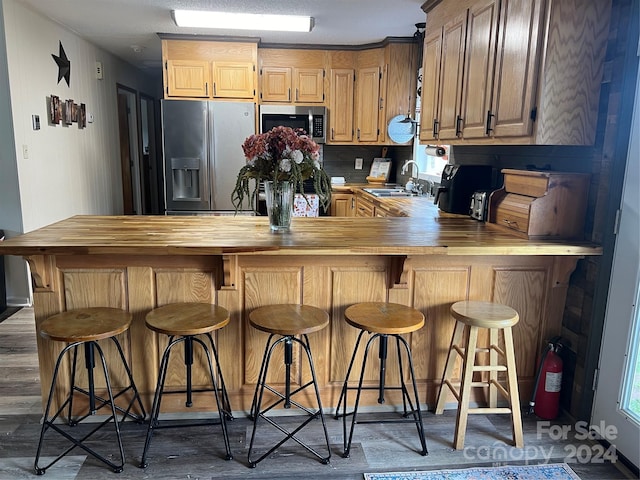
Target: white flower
x,y
297,156
316,165
285,165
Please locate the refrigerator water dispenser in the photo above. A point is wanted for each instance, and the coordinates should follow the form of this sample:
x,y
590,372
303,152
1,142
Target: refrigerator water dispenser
x,y
186,178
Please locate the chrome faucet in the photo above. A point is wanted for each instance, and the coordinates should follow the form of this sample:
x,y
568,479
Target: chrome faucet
x,y
406,166
411,185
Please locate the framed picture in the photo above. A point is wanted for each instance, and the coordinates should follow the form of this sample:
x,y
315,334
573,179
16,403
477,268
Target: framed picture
x,y
54,105
52,109
58,112
68,112
74,112
82,121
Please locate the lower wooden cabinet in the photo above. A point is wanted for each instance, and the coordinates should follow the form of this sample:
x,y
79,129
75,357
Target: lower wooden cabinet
x,y
364,207
534,285
343,205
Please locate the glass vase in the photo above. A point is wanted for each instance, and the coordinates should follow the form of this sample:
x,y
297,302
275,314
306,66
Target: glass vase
x,y
279,204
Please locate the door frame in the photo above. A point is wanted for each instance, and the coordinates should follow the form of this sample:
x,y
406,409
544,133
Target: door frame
x,y
129,149
152,178
621,313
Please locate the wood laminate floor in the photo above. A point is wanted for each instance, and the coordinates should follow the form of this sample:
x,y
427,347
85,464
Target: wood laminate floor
x,y
197,452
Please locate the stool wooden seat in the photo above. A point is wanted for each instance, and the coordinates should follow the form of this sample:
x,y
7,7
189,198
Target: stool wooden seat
x,y
183,322
283,323
382,319
472,316
86,327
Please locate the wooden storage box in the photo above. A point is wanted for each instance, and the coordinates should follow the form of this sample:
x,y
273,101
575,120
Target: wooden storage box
x,y
535,204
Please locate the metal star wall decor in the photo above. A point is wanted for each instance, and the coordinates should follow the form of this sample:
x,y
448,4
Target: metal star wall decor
x,y
64,65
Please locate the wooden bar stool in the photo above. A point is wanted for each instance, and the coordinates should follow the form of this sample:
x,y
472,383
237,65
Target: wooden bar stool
x,y
284,322
183,322
85,327
472,316
383,320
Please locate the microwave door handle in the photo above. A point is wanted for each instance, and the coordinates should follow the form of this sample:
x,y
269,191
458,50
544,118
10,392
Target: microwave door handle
x,y
310,132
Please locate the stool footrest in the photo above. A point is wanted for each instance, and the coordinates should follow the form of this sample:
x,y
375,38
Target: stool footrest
x,y
490,368
489,410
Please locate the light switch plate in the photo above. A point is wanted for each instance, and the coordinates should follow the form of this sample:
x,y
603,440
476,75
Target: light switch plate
x,y
358,164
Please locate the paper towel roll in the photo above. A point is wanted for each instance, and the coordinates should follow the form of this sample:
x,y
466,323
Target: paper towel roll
x,y
435,151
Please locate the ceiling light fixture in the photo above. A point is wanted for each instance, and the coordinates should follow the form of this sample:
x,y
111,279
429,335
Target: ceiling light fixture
x,y
242,21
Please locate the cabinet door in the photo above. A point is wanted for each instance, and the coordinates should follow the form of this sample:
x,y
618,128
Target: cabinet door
x,y
367,101
431,56
482,27
309,85
188,78
276,84
341,105
233,80
453,42
517,59
342,205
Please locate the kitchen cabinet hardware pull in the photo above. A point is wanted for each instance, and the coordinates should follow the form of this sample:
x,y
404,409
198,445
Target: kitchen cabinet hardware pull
x,y
490,117
510,223
458,128
436,127
297,95
358,134
214,89
289,95
381,103
206,89
332,133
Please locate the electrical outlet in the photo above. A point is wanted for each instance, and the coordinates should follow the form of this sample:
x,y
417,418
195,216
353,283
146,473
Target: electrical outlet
x,y
358,164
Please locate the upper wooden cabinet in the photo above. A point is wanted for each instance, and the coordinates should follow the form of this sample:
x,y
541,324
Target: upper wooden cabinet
x,y
513,71
368,104
341,105
292,75
233,80
367,89
297,85
209,69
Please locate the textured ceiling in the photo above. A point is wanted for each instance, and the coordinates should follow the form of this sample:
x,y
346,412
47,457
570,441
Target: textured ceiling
x,y
124,26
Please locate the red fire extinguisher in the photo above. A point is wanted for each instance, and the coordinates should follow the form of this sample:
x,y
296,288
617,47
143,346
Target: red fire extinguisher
x,y
546,395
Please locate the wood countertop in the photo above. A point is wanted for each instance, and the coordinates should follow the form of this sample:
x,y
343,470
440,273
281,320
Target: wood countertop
x,y
418,206
187,235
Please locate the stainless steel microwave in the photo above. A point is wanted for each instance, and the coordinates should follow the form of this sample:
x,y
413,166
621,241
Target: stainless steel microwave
x,y
312,120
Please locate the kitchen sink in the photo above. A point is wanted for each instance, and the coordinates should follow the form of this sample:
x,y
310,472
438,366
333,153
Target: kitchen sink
x,y
389,192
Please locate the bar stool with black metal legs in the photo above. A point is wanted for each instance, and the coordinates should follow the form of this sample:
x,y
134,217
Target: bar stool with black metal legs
x,y
284,323
86,327
471,316
183,322
382,320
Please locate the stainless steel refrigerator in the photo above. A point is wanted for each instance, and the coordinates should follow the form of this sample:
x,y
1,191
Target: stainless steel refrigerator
x,y
202,143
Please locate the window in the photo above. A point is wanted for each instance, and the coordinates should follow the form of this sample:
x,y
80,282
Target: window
x,y
430,166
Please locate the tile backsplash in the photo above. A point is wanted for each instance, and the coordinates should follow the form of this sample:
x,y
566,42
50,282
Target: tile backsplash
x,y
339,160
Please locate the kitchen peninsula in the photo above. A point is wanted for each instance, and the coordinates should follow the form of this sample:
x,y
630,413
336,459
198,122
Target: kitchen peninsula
x,y
139,262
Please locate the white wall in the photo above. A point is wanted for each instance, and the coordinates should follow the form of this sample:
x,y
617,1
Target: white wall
x,y
68,171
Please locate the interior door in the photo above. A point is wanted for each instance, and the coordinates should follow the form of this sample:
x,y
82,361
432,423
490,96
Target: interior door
x,y
617,398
